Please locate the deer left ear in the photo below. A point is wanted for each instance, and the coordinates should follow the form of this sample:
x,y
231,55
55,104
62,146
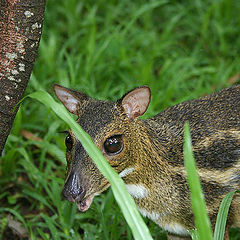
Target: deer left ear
x,y
71,99
136,102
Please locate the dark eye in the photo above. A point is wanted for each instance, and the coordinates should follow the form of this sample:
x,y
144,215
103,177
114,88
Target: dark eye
x,y
114,144
69,142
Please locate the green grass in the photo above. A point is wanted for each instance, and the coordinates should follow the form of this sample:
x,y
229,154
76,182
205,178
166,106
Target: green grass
x,y
181,49
203,225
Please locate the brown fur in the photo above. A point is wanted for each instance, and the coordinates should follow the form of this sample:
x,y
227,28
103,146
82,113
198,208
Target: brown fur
x,y
153,150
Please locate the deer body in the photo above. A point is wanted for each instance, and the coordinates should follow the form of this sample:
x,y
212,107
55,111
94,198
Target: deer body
x,y
148,154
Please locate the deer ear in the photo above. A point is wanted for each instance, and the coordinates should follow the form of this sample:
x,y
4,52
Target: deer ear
x,y
135,103
71,99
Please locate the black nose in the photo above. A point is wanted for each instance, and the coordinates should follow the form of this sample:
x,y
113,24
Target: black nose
x,y
73,191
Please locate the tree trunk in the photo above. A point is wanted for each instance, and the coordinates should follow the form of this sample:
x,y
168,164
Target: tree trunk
x,y
20,31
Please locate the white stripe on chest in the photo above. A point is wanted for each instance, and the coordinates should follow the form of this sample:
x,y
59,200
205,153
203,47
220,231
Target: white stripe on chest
x,y
126,171
176,228
153,216
137,190
173,227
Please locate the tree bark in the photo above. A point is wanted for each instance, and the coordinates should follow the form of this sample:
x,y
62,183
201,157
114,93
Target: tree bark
x,y
20,31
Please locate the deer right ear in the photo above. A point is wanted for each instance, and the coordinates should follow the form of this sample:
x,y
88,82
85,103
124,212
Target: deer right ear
x,y
71,99
135,102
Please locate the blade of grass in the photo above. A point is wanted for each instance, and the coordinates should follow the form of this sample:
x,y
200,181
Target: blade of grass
x,y
50,223
125,201
194,234
220,226
197,199
38,197
146,7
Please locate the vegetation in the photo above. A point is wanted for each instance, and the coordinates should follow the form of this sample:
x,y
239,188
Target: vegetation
x,y
181,49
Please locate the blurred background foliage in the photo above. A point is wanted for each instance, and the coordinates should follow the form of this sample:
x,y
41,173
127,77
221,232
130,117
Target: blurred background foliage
x,y
181,49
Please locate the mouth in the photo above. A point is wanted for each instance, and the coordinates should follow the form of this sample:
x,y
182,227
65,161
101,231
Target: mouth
x,y
84,204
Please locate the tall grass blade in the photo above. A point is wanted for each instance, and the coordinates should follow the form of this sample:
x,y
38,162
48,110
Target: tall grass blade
x,y
220,226
194,234
197,199
126,203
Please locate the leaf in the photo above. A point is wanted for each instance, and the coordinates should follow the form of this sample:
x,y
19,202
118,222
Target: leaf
x,y
17,227
125,201
197,199
38,197
222,216
30,136
16,214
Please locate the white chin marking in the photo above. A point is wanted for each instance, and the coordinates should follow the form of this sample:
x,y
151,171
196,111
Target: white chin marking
x,y
84,205
137,190
126,171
